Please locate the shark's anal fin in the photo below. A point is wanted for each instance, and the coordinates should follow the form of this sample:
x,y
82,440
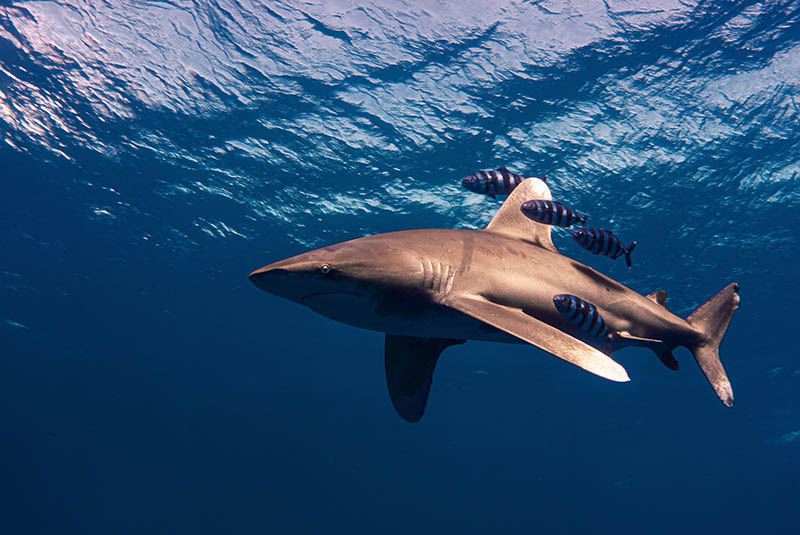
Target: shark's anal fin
x,y
662,350
544,336
409,363
668,359
510,220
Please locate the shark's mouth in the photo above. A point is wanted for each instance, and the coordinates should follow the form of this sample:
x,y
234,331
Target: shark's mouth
x,y
336,305
327,297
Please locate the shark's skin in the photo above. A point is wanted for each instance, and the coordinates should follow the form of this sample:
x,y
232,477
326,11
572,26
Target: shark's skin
x,y
496,285
403,279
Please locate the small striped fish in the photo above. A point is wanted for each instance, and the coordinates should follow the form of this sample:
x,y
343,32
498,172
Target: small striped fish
x,y
603,242
497,182
583,315
551,213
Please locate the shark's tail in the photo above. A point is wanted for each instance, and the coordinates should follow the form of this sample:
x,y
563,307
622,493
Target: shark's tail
x,y
711,320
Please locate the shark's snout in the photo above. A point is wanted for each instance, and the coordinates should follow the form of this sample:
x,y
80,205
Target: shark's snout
x,y
269,278
294,278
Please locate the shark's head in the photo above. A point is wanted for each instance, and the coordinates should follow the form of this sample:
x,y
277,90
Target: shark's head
x,y
347,279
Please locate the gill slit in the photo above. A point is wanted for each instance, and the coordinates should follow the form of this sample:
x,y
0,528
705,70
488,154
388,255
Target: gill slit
x,y
437,277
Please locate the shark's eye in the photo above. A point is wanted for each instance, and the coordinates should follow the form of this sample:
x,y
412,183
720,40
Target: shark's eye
x,y
325,269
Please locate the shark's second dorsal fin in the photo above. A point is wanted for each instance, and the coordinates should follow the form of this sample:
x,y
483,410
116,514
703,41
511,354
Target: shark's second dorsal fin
x,y
659,296
510,220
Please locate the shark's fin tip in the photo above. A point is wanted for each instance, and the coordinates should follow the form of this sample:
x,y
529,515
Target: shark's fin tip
x,y
510,221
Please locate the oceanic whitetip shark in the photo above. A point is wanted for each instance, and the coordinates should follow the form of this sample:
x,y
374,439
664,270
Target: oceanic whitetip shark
x,y
429,289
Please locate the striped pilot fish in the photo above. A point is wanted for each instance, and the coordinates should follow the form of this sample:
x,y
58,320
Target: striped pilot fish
x,y
583,315
500,181
551,213
603,242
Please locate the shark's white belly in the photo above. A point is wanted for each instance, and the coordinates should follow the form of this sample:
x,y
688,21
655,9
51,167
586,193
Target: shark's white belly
x,y
404,317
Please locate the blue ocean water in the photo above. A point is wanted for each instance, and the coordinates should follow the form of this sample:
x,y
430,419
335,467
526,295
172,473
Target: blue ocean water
x,y
154,153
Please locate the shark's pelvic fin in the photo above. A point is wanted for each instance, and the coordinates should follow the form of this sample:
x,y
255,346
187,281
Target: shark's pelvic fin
x,y
410,362
625,335
510,220
525,327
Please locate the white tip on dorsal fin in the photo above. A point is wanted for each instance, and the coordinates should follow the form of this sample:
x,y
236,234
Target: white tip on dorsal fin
x,y
510,220
659,296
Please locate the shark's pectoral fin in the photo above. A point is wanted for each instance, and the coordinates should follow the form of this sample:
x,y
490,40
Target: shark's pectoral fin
x,y
544,336
510,220
410,362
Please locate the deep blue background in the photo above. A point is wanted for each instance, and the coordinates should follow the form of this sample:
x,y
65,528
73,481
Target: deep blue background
x,y
153,154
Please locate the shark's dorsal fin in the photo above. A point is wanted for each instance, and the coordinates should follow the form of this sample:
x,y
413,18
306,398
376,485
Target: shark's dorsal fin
x,y
510,220
410,362
659,296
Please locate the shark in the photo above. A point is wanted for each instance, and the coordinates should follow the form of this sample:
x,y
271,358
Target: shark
x,y
430,289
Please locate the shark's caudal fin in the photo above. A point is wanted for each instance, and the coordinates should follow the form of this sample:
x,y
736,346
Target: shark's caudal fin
x,y
510,220
712,320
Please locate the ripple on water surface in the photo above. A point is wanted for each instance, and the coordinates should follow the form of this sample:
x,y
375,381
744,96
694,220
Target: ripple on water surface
x,y
311,118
